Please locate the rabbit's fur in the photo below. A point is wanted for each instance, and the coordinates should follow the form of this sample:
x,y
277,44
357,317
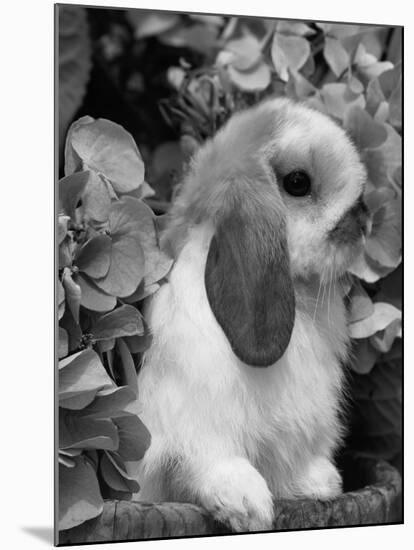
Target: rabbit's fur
x,y
256,283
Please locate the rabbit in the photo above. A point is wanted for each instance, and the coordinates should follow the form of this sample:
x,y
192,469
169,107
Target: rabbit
x,y
243,386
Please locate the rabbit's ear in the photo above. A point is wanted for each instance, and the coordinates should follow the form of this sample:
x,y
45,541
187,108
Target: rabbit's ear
x,y
249,286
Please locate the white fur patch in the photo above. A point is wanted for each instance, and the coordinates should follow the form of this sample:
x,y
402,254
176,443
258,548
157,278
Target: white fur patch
x,y
203,406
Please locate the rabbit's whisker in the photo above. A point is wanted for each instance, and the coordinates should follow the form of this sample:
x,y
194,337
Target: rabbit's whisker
x,y
317,298
325,273
329,294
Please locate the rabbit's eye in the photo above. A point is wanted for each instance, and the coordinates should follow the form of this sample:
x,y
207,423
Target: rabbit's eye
x,y
297,183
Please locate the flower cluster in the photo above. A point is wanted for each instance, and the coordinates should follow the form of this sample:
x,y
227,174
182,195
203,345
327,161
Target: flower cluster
x,y
109,260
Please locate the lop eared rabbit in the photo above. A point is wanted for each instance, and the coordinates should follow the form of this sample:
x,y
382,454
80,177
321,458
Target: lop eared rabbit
x,y
243,385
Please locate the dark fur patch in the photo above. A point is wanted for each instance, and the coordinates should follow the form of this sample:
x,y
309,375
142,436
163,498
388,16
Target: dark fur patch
x,y
248,282
352,224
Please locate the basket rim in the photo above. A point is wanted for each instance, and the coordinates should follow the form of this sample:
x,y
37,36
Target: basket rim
x,y
140,520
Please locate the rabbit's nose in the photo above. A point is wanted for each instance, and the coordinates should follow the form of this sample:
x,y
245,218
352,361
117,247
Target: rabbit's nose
x,y
353,224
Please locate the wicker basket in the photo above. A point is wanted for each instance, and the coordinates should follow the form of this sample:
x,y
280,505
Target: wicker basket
x,y
373,496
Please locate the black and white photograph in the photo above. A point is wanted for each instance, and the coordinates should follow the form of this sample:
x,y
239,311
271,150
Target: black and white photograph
x,y
228,274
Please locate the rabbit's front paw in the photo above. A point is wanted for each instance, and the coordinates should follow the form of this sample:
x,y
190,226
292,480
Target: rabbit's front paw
x,y
237,495
321,480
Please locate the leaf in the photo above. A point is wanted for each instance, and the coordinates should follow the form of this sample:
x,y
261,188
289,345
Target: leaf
x,y
390,80
382,113
395,46
79,401
176,77
72,293
363,356
61,299
74,60
384,339
151,23
385,160
80,373
157,263
339,30
73,163
167,160
384,96
216,20
338,99
108,149
246,52
374,39
132,467
384,383
383,244
378,411
92,455
134,437
79,495
144,191
142,292
361,304
127,258
200,38
70,191
92,297
122,321
383,315
336,56
62,227
365,131
289,52
397,177
110,354
129,373
395,107
368,270
157,266
65,252
94,257
391,288
294,27
138,344
367,65
224,58
86,433
363,58
105,345
325,27
65,461
316,102
66,457
161,223
109,403
298,87
73,329
96,199
375,96
395,353
63,347
354,84
254,80
309,67
373,70
391,85
114,474
70,452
